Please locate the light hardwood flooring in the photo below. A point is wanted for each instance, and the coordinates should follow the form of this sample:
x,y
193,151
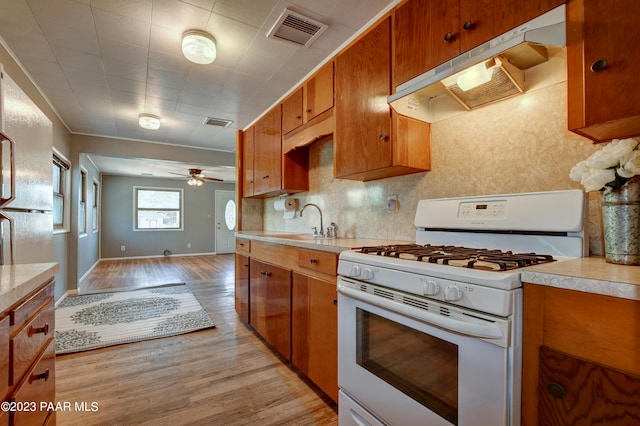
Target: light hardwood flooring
x,y
220,376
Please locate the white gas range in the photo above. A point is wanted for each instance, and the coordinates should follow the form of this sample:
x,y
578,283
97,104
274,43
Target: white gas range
x,y
430,333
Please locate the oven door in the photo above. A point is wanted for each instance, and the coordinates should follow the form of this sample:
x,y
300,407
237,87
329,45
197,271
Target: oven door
x,y
409,371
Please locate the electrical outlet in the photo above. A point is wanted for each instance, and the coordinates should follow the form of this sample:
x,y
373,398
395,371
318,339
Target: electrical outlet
x,y
392,203
122,248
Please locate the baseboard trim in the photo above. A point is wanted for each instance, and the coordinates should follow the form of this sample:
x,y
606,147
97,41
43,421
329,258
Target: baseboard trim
x,y
64,296
156,256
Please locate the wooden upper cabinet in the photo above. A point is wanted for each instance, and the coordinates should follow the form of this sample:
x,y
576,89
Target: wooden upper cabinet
x,y
318,92
420,27
366,146
313,98
292,111
247,161
602,63
428,33
268,153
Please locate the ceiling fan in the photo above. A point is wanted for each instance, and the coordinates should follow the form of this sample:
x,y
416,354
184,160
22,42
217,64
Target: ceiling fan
x,y
196,178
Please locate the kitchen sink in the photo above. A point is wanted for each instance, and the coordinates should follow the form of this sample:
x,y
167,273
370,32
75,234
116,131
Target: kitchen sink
x,y
294,236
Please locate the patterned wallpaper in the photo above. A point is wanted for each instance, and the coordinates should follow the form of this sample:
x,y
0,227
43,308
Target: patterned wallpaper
x,y
518,145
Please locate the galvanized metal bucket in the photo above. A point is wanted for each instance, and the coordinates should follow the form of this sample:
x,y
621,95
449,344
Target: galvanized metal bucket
x,y
621,223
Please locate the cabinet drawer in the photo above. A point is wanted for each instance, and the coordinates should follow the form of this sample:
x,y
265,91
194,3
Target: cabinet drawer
x,y
4,358
243,246
29,342
21,313
38,386
327,263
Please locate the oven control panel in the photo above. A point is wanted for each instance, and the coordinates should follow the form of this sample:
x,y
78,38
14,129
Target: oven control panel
x,y
495,209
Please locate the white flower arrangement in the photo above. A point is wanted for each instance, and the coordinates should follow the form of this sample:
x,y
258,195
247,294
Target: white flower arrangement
x,y
610,168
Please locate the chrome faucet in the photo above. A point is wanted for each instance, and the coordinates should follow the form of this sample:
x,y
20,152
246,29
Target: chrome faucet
x,y
319,234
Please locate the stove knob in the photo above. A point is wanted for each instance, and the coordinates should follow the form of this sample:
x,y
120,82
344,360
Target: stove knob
x,y
452,293
431,288
354,271
367,274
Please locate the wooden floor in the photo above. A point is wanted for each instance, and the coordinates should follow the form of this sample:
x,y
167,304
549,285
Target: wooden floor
x,y
220,376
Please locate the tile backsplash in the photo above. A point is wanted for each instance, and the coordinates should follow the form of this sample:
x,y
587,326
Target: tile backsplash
x,y
518,145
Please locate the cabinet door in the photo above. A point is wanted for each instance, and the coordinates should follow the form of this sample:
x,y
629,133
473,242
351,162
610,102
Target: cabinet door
x,y
292,112
314,331
363,122
603,99
242,287
268,153
420,28
270,304
318,92
247,161
576,392
482,20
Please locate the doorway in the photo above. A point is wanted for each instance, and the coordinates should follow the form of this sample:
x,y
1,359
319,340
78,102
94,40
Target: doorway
x,y
226,221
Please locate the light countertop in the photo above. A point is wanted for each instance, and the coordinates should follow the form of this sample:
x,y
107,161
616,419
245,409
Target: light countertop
x,y
17,281
588,274
333,245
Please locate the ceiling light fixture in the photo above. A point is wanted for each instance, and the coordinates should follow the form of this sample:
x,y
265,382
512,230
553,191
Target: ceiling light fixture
x,y
195,182
149,121
199,47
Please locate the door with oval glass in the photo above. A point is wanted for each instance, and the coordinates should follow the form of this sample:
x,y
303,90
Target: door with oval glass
x,y
225,211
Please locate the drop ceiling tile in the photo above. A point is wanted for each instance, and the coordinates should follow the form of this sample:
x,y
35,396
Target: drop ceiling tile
x,y
166,40
330,40
79,77
68,13
158,106
168,80
124,52
196,99
176,65
248,11
176,14
116,70
163,92
322,8
139,10
15,7
122,28
356,13
202,4
91,62
85,40
193,109
203,86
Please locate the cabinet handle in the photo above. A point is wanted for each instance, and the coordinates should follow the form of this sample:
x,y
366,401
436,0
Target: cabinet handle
x,y
42,376
382,137
35,330
556,390
265,177
448,37
265,274
298,117
313,261
246,265
335,302
467,26
599,65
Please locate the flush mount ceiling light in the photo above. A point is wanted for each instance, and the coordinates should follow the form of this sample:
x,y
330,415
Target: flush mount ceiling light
x,y
149,121
199,47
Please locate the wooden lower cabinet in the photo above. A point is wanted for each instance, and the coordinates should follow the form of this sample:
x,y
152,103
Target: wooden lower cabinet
x,y
573,391
270,308
242,287
580,363
314,331
28,358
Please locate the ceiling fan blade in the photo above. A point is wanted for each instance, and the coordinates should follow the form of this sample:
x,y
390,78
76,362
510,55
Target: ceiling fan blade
x,y
179,174
211,179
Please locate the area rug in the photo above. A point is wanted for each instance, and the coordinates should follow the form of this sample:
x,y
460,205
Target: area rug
x,y
97,320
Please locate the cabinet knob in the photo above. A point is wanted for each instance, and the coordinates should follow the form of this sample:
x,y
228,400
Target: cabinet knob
x,y
265,274
298,117
382,137
265,177
308,110
335,302
42,376
448,37
556,390
467,26
35,330
599,65
313,261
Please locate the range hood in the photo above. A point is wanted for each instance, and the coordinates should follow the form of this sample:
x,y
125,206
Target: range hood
x,y
528,57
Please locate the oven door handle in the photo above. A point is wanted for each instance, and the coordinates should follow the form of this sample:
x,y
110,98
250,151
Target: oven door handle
x,y
488,331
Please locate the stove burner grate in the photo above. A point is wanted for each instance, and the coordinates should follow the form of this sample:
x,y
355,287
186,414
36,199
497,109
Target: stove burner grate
x,y
475,258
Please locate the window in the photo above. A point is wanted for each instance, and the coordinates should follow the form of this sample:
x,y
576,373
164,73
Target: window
x,y
94,209
60,191
82,213
158,208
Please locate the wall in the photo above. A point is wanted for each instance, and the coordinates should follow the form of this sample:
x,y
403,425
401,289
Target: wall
x,y
62,142
117,219
518,145
88,243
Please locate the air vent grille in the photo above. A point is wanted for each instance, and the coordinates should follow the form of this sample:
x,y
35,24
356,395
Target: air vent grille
x,y
296,28
220,122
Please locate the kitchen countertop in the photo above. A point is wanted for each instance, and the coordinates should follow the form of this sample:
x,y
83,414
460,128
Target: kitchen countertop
x,y
588,274
333,245
17,281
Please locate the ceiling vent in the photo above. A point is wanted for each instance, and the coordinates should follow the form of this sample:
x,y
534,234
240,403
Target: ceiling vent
x,y
297,28
220,122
